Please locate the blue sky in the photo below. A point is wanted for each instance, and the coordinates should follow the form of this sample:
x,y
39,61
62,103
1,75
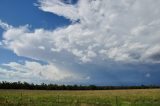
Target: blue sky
x,y
22,13
80,41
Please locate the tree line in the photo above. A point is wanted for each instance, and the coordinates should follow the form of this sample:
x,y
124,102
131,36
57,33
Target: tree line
x,y
43,86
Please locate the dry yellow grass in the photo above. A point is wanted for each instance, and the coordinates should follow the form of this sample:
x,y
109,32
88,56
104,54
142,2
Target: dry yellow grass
x,y
138,97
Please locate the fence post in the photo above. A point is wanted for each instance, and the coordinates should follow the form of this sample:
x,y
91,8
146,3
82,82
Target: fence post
x,y
58,99
21,96
6,102
117,104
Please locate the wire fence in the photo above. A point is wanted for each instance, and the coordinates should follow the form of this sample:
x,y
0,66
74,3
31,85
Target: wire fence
x,y
61,101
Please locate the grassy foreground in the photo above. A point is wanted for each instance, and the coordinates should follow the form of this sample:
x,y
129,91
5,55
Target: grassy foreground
x,y
142,97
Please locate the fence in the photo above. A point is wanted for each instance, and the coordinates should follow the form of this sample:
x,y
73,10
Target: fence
x,y
61,101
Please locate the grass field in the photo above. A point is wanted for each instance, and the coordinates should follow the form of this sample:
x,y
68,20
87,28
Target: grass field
x,y
143,97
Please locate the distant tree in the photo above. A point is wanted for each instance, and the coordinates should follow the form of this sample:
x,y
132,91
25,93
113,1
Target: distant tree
x,y
43,86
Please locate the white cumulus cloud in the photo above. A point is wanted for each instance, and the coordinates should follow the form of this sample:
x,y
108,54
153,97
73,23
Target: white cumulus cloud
x,y
102,30
34,70
124,30
60,8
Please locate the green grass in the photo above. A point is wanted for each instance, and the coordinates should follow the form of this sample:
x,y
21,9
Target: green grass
x,y
143,97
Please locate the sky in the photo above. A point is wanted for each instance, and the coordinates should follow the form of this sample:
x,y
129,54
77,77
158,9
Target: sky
x,y
100,42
